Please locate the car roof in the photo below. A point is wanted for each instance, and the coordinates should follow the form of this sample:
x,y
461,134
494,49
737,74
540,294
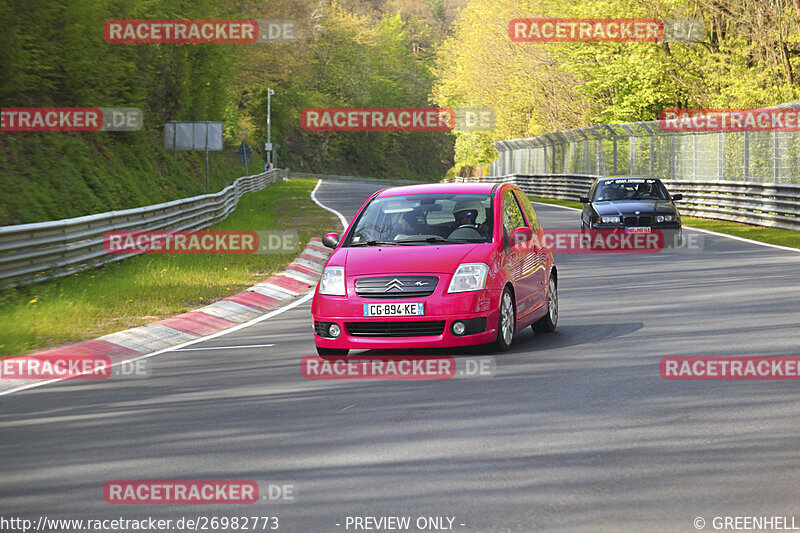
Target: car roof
x,y
433,188
627,178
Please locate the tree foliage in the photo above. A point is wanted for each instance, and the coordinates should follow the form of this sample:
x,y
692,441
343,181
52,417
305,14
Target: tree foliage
x,y
749,57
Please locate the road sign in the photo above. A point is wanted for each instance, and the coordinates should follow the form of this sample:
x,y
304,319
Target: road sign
x,y
267,147
203,136
244,152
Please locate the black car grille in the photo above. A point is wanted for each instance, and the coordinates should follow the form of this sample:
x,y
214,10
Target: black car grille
x,y
396,286
416,328
637,221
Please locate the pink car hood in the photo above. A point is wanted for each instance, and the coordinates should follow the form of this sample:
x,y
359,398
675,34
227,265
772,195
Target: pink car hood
x,y
442,259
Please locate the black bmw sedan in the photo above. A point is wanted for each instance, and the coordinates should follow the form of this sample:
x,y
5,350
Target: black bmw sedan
x,y
635,205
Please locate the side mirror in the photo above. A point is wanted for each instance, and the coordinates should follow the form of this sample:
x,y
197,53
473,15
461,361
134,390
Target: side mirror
x,y
331,240
584,199
521,235
676,197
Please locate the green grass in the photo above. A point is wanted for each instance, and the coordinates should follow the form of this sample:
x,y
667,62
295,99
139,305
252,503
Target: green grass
x,y
147,288
55,175
783,237
565,203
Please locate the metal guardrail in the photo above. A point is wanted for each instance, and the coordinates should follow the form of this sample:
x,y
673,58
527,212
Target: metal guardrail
x,y
762,204
45,250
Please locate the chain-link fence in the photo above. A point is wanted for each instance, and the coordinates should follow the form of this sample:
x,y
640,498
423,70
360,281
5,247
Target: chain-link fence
x,y
645,149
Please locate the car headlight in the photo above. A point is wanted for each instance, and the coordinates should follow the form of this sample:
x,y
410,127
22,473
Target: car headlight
x,y
332,281
664,218
469,277
610,220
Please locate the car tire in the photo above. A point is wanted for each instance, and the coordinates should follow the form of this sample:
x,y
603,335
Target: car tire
x,y
506,322
548,322
332,352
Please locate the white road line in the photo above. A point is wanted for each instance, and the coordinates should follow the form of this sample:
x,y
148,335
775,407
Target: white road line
x,y
734,237
243,325
555,205
334,211
223,347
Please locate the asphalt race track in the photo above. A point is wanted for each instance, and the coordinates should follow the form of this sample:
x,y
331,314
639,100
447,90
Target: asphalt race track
x,y
575,432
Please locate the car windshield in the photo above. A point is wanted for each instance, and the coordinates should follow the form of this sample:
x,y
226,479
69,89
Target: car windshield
x,y
630,189
424,219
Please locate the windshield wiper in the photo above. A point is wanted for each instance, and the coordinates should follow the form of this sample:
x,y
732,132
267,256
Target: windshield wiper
x,y
374,243
433,239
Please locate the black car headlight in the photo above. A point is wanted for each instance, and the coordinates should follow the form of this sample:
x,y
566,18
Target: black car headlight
x,y
609,219
665,218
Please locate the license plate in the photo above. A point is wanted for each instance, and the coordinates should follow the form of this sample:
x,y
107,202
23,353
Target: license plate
x,y
640,229
404,309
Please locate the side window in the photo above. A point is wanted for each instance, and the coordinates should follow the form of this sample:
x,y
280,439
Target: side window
x,y
530,213
512,215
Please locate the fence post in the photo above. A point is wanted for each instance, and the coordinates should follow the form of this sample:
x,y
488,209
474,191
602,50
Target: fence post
x,y
720,155
632,150
746,156
652,155
601,166
586,158
673,155
614,152
568,149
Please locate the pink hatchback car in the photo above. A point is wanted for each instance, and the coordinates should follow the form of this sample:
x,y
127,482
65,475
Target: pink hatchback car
x,y
438,265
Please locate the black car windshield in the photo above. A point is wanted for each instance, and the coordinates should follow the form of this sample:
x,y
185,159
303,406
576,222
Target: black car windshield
x,y
424,219
630,189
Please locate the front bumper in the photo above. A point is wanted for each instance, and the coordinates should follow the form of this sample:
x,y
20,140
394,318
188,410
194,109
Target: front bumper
x,y
448,308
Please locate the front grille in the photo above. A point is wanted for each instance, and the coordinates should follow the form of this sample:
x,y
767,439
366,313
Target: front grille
x,y
396,286
637,221
416,328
